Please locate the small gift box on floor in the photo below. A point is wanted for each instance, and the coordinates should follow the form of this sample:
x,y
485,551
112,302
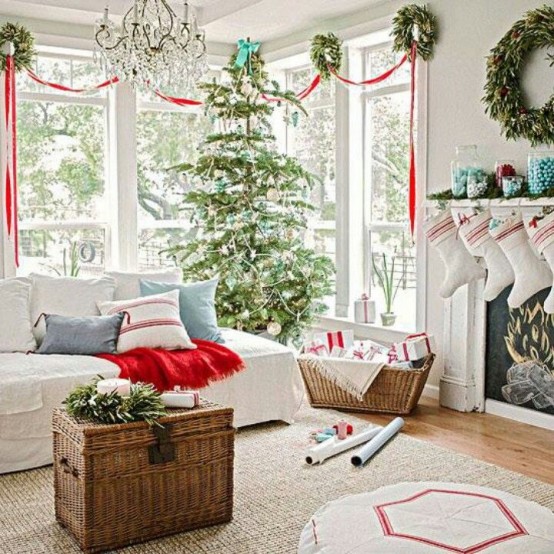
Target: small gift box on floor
x,y
413,347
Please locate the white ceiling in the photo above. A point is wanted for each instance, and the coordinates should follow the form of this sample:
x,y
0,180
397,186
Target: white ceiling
x,y
224,20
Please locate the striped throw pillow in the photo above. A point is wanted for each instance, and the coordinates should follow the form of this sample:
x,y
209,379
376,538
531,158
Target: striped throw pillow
x,y
152,322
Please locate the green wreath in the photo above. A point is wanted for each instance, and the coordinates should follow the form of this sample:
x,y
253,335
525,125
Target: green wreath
x,y
326,53
403,24
143,404
504,99
23,42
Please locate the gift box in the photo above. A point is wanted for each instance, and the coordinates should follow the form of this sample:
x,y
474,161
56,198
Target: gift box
x,y
364,310
413,347
315,348
368,351
339,352
344,339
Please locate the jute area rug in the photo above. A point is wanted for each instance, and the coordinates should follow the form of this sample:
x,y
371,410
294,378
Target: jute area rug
x,y
275,491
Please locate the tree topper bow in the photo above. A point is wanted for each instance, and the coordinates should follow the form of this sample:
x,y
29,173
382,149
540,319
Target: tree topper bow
x,y
246,49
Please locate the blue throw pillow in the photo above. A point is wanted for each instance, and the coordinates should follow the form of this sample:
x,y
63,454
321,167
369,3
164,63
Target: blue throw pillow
x,y
197,305
84,336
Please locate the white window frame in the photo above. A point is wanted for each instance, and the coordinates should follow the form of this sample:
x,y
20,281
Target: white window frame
x,y
79,224
371,225
290,139
165,107
353,222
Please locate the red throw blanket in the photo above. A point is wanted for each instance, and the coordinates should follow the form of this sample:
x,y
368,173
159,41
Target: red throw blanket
x,y
165,369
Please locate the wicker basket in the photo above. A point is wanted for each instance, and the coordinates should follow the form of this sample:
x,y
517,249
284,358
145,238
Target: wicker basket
x,y
394,391
120,484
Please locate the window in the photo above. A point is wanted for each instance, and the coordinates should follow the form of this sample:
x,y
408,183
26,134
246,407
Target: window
x,y
166,136
386,131
61,170
383,129
313,143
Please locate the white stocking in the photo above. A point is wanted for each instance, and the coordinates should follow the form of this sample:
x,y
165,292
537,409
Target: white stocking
x,y
461,267
541,232
531,275
474,230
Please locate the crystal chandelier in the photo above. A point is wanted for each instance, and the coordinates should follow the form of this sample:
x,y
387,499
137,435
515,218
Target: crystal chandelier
x,y
153,47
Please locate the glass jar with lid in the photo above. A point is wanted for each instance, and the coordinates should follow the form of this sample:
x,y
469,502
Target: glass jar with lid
x,y
466,166
540,171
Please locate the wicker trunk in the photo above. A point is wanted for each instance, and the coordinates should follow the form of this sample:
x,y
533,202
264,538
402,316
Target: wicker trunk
x,y
121,484
394,391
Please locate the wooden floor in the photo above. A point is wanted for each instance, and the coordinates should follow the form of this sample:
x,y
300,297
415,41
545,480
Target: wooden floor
x,y
497,440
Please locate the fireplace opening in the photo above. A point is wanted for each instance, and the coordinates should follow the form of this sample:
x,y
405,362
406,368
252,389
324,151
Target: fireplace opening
x,y
520,353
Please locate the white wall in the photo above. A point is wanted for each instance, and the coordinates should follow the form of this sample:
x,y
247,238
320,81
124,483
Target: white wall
x,y
456,116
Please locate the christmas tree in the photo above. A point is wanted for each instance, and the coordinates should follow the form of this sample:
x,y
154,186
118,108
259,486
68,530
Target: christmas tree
x,y
250,205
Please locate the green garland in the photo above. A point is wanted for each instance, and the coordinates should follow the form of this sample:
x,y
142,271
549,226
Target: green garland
x,y
23,42
326,52
504,99
143,404
403,30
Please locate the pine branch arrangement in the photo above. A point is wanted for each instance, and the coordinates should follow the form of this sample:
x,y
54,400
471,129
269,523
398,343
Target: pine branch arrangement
x,y
24,45
504,99
326,54
143,404
251,206
408,17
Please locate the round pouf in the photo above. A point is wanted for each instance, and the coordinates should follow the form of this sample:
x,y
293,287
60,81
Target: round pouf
x,y
429,517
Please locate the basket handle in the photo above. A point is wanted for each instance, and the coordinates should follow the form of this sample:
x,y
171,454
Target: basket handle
x,y
66,467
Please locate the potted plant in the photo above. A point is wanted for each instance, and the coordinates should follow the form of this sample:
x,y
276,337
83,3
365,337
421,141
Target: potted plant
x,y
385,277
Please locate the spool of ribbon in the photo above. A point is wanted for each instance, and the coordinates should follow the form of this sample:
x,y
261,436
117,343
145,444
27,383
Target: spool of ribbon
x,y
246,49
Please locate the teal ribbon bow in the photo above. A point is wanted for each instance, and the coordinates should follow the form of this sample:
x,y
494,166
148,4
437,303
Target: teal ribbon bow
x,y
246,49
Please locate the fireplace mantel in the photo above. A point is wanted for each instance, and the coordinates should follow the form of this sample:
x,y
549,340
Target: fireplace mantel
x,y
462,384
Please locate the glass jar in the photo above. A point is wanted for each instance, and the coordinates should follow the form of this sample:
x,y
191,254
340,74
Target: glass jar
x,y
503,168
466,166
512,185
540,171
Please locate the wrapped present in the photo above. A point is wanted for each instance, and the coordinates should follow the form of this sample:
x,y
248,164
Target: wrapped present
x,y
315,348
344,339
338,352
367,350
414,347
364,310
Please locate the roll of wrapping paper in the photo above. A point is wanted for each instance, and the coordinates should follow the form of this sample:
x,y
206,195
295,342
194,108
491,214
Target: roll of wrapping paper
x,y
318,454
384,435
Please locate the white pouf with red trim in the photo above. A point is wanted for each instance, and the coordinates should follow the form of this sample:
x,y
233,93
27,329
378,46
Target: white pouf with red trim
x,y
429,517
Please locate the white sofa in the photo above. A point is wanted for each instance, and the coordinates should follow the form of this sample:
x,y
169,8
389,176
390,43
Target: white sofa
x,y
31,385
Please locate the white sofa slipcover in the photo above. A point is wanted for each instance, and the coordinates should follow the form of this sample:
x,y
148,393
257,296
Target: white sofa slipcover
x,y
270,388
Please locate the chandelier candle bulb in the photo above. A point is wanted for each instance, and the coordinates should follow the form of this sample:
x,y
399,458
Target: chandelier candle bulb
x,y
108,386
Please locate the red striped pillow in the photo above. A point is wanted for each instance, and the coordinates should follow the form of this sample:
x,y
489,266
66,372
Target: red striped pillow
x,y
153,322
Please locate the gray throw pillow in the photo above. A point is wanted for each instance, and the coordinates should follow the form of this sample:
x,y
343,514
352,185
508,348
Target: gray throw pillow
x,y
86,336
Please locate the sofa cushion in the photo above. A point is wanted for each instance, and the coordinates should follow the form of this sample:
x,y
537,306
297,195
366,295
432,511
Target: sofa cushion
x,y
128,284
67,296
152,322
197,306
16,334
86,336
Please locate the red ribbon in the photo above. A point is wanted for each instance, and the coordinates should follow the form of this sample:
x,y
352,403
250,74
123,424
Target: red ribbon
x,y
63,88
303,94
176,100
10,183
373,80
172,99
412,180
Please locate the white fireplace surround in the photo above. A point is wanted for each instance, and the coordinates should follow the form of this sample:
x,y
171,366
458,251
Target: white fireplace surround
x,y
462,385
